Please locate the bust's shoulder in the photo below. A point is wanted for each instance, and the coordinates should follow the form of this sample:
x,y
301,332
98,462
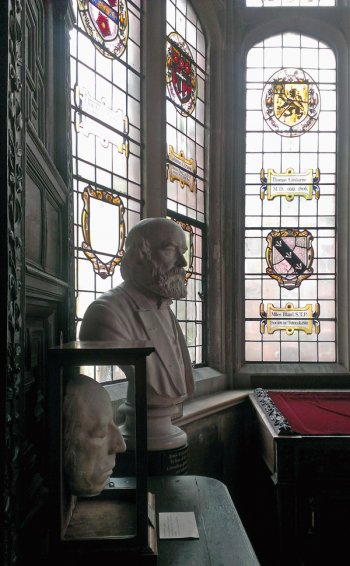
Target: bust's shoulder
x,y
123,296
121,293
108,316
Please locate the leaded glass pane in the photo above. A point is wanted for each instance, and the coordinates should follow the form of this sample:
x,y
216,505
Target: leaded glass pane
x,y
185,168
290,201
106,145
288,3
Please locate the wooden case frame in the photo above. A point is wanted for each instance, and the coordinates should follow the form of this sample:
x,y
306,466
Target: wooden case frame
x,y
143,546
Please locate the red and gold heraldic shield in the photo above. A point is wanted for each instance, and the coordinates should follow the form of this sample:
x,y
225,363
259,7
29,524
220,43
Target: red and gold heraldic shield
x,y
181,74
107,24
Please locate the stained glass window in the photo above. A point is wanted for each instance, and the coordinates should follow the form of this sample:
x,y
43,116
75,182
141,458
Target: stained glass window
x,y
106,144
290,201
288,3
185,138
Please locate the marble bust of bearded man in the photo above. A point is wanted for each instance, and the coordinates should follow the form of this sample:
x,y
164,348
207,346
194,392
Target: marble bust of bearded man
x,y
139,309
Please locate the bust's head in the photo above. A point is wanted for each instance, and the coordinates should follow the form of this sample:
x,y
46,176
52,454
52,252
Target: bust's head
x,y
154,257
91,438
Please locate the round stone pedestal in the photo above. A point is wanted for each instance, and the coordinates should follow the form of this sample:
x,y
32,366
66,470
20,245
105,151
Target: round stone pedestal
x,y
166,443
162,435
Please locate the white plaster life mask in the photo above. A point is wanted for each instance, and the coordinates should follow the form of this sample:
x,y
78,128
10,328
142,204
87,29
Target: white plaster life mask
x,y
91,439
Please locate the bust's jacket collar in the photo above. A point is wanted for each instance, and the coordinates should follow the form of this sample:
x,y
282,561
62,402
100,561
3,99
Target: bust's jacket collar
x,y
147,305
144,300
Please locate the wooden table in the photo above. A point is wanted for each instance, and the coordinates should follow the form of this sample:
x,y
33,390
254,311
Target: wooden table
x,y
222,538
311,479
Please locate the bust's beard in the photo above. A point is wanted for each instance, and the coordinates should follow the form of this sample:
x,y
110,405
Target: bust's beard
x,y
171,285
168,285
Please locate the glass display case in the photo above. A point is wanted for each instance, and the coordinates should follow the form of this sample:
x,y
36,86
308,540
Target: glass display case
x,y
119,521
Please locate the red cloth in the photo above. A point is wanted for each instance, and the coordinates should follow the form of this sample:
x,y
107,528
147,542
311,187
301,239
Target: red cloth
x,y
314,413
